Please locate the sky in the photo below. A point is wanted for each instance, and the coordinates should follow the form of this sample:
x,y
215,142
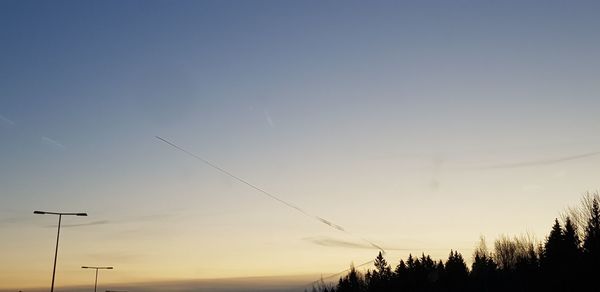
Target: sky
x,y
416,125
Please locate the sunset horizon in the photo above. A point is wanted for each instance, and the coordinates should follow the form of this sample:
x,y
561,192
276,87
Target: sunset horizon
x,y
255,145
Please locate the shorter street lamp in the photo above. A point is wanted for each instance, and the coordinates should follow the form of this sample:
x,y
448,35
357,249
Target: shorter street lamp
x,y
97,268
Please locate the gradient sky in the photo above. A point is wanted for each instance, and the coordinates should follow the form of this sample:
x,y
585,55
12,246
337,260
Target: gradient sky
x,y
405,122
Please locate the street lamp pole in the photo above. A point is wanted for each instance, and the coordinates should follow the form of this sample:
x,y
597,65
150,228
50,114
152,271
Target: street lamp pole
x,y
60,214
97,268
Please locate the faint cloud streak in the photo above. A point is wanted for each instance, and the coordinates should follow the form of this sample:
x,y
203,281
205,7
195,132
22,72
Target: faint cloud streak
x,y
268,118
115,256
540,162
144,218
332,242
6,121
52,143
560,174
15,219
532,188
100,222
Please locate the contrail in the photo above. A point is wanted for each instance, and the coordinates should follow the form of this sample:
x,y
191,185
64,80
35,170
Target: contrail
x,y
6,121
540,162
100,222
268,194
333,242
339,273
51,142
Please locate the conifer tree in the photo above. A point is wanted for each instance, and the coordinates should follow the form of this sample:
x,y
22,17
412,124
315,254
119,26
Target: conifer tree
x,y
572,244
380,279
554,257
591,245
382,268
591,242
553,249
456,272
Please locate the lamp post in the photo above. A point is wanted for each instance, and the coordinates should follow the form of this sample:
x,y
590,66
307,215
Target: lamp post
x,y
97,268
60,214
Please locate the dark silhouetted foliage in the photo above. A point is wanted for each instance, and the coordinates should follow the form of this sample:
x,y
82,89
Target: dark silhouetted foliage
x,y
564,262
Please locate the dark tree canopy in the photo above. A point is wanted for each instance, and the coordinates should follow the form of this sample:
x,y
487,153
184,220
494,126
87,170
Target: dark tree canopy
x,y
568,260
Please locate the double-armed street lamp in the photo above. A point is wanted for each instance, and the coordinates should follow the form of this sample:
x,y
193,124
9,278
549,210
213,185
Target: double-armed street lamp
x,y
97,268
60,214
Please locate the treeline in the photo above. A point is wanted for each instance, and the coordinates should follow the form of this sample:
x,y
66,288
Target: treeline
x,y
567,260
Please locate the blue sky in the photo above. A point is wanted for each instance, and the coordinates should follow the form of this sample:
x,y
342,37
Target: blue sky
x,y
371,114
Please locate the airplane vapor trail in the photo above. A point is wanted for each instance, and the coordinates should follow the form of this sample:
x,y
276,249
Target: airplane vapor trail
x,y
339,273
540,162
268,194
333,242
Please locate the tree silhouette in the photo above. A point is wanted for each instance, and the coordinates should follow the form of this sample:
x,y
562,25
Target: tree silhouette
x,y
580,215
591,242
380,279
571,267
456,272
353,282
563,262
553,257
505,253
483,271
400,276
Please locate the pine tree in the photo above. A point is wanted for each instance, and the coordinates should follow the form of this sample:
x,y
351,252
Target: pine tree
x,y
355,281
410,283
400,268
483,272
381,276
456,272
410,263
553,247
591,245
382,268
591,242
572,244
554,257
399,276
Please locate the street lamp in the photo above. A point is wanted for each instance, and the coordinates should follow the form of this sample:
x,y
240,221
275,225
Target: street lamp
x,y
97,268
60,214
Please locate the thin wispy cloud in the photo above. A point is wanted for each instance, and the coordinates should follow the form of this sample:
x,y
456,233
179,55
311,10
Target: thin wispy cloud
x,y
540,162
313,283
52,143
15,219
143,218
560,174
150,217
122,256
340,228
100,222
246,284
6,121
333,242
435,181
534,188
268,118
